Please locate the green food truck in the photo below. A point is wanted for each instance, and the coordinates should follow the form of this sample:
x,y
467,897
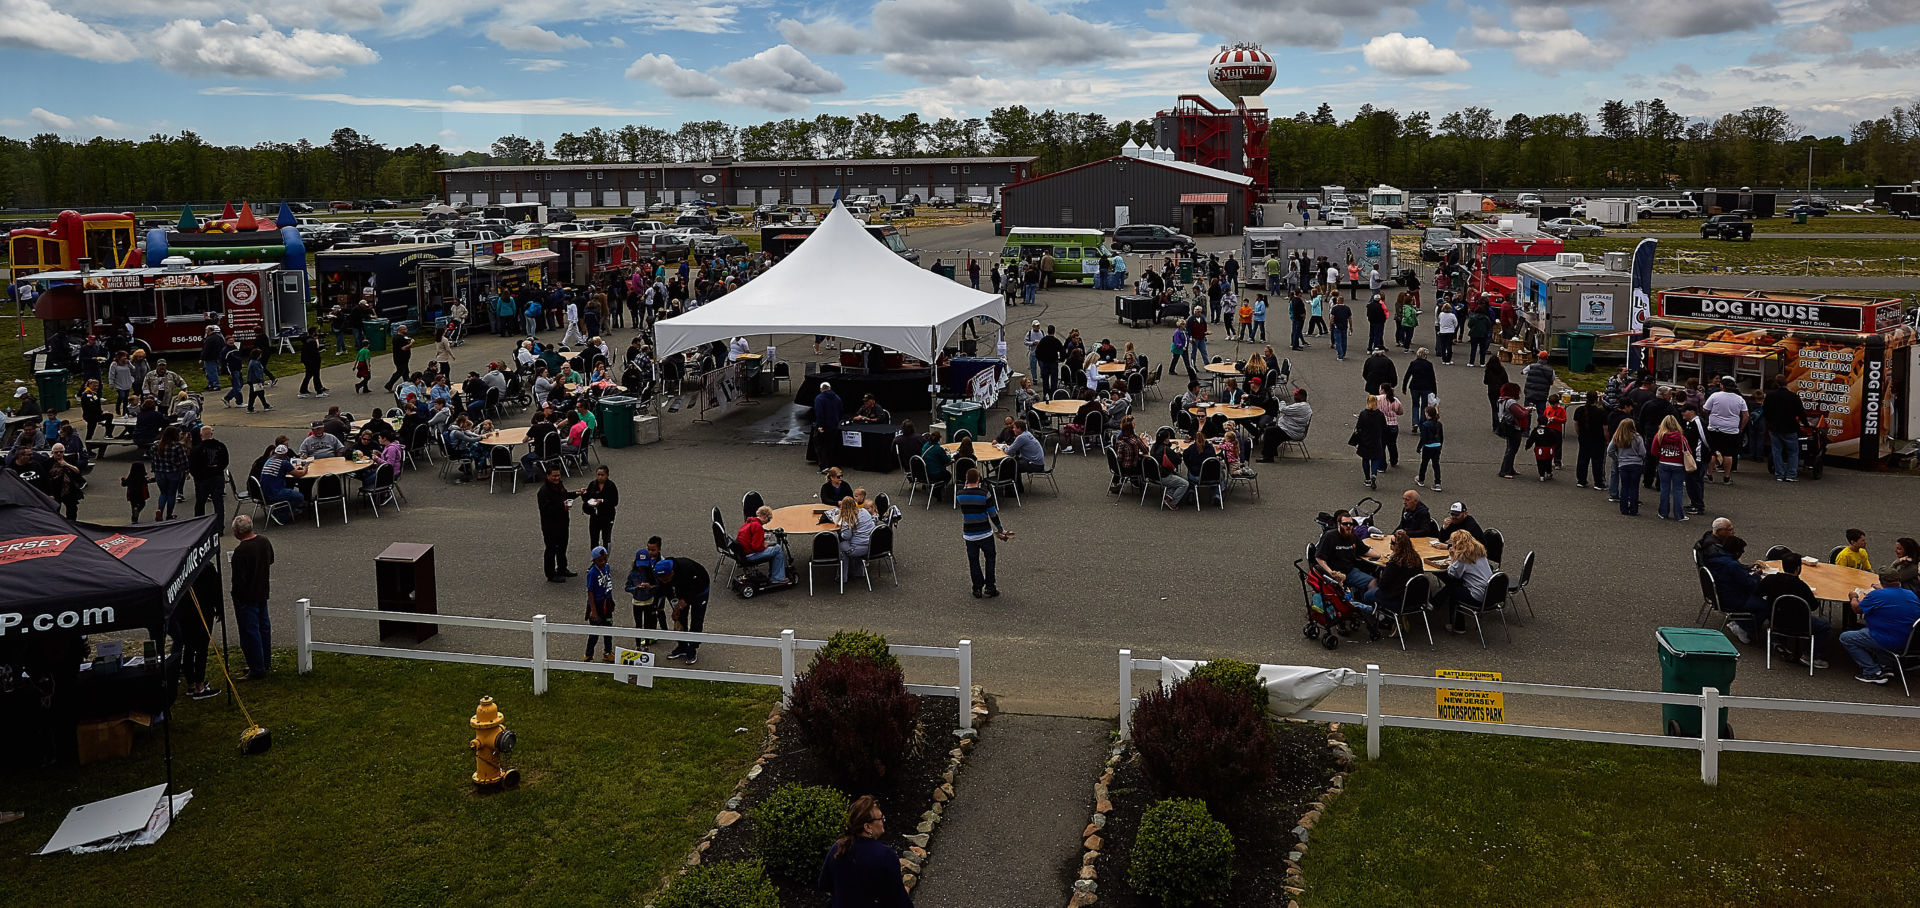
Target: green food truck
x,y
1076,252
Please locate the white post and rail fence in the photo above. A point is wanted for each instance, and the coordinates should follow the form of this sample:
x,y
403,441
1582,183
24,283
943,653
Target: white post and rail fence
x,y
538,629
1709,743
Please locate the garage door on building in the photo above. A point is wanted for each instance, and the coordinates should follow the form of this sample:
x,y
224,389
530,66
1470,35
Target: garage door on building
x,y
456,198
769,196
978,191
887,194
583,199
636,198
923,192
558,200
610,198
803,197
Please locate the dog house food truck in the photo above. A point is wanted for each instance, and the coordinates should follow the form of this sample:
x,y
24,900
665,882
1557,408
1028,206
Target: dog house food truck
x,y
1850,358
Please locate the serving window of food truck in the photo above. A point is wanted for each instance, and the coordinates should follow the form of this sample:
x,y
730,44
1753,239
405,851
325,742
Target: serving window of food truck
x,y
1849,358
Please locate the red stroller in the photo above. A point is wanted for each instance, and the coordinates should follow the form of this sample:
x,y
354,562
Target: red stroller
x,y
1330,613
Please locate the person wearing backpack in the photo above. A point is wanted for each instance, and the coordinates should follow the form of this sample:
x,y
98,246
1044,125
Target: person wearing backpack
x,y
1479,334
1179,350
1377,316
1515,422
533,316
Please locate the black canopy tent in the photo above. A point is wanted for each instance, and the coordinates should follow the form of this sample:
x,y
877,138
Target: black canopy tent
x,y
61,580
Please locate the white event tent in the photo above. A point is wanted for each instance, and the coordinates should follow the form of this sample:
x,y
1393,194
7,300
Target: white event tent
x,y
841,282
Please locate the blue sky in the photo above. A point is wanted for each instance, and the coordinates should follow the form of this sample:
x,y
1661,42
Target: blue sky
x,y
462,73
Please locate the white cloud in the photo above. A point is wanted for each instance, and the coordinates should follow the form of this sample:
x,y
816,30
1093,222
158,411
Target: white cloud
x,y
538,65
780,78
466,91
519,107
49,119
616,41
1290,23
1396,54
1441,85
1542,18
826,36
674,79
532,37
1548,51
254,48
1815,39
36,25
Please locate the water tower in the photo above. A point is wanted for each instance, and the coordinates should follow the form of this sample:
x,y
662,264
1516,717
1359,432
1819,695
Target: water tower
x,y
1240,72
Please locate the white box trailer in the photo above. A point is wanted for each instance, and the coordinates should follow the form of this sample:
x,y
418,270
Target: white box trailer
x,y
1613,212
1465,204
1368,245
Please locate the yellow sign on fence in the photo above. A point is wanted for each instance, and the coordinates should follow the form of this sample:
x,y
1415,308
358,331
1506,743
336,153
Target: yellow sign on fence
x,y
1468,705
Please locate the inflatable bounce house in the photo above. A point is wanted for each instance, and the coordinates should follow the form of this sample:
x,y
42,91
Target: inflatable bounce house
x,y
231,239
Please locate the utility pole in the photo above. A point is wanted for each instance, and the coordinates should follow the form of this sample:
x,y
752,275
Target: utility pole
x,y
1809,171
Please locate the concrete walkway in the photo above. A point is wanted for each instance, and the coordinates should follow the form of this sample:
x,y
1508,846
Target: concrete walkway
x,y
1024,800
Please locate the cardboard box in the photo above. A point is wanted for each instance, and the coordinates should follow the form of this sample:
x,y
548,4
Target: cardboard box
x,y
104,739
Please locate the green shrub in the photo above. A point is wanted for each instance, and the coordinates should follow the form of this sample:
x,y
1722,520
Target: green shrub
x,y
857,715
726,884
793,827
861,644
1198,741
1234,676
1182,856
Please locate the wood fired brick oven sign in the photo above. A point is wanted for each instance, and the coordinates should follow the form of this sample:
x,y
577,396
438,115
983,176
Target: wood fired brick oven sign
x,y
242,292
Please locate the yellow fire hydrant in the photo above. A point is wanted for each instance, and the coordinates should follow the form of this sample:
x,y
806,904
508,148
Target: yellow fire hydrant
x,y
490,740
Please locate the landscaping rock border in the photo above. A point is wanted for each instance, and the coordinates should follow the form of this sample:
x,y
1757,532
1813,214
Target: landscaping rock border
x,y
1303,830
1086,886
913,863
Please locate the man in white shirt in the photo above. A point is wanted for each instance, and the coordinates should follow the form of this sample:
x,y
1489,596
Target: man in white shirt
x,y
1034,336
574,332
1726,426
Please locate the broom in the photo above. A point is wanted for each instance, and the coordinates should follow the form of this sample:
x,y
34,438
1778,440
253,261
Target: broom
x,y
254,740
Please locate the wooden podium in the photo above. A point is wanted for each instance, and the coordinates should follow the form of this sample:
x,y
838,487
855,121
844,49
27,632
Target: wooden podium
x,y
403,580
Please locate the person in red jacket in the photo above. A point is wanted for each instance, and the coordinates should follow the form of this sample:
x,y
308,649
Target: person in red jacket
x,y
753,540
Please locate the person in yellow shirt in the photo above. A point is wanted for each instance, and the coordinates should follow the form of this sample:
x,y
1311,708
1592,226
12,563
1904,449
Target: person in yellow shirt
x,y
1854,555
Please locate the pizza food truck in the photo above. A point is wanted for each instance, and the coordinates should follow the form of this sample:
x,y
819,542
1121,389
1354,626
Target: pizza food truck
x,y
1850,358
172,306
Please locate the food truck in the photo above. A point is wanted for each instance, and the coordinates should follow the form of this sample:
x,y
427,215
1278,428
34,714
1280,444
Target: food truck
x,y
1850,358
1573,294
439,282
388,271
1486,260
172,306
1369,246
588,257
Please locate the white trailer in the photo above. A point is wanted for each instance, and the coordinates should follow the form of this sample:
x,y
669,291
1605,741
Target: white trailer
x,y
1332,194
1613,212
1465,204
1367,245
1386,203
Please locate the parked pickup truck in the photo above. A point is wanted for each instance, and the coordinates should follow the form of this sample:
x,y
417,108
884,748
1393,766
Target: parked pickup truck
x,y
1726,227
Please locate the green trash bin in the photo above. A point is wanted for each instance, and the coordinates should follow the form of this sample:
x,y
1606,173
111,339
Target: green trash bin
x,y
964,414
1186,273
1691,660
946,271
1800,218
376,330
53,389
616,413
1579,350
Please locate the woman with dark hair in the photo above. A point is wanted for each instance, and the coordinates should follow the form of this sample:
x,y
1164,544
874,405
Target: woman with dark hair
x,y
1389,586
169,459
859,871
1903,572
1369,439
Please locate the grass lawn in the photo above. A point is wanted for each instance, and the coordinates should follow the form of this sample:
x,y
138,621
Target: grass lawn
x,y
1763,256
366,796
1453,819
1833,223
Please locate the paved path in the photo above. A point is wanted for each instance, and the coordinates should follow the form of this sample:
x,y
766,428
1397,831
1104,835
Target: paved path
x,y
1025,799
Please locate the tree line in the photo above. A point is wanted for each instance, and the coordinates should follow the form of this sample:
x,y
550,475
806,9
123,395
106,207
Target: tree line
x,y
1624,144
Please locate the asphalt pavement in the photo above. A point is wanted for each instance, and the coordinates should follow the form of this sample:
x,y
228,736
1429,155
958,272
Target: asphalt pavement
x,y
1090,573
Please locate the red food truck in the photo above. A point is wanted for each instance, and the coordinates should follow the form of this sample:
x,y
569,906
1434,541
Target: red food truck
x,y
1850,358
591,258
1487,257
171,307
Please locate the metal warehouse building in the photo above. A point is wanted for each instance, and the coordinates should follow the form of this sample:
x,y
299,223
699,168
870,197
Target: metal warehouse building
x,y
1192,199
731,182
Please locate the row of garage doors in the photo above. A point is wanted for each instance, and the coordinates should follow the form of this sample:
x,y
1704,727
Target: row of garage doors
x,y
636,197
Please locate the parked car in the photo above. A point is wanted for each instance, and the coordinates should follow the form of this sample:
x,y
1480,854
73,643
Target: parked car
x,y
1420,206
1571,228
1436,242
1442,216
939,201
700,222
658,208
300,207
1150,238
721,244
1726,227
1672,208
560,215
340,206
1528,200
1810,209
899,210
